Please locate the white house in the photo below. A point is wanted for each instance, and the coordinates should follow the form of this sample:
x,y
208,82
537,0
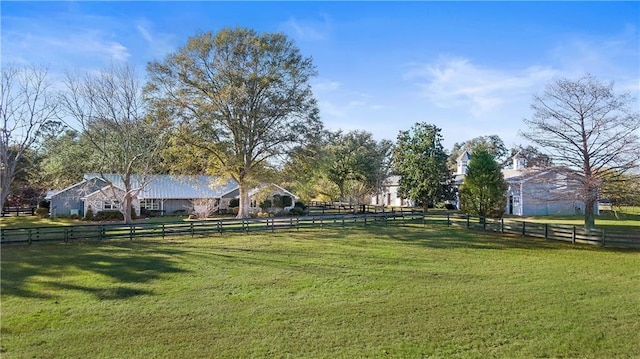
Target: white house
x,y
162,194
389,196
534,191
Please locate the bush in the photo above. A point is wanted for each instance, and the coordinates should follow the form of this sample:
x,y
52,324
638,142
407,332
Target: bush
x,y
42,212
449,206
265,204
297,211
234,210
89,215
235,202
277,201
300,205
75,216
109,216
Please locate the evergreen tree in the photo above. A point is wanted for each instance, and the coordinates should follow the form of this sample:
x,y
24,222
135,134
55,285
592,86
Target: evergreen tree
x,y
483,190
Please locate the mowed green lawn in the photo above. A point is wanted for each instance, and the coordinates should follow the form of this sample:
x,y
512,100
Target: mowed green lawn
x,y
397,292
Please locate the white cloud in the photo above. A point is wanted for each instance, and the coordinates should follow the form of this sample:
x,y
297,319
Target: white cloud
x,y
308,29
458,83
145,33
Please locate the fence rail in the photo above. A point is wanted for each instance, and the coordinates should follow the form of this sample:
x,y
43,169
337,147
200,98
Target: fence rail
x,y
193,228
18,211
567,233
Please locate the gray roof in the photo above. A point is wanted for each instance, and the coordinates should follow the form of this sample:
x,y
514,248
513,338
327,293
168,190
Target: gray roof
x,y
174,187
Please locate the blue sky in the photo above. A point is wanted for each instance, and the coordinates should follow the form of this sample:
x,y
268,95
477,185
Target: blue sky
x,y
470,68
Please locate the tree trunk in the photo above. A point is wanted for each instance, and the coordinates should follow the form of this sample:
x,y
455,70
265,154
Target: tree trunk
x,y
243,210
589,215
126,210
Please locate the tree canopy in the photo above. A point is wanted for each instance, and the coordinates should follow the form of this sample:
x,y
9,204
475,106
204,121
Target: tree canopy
x,y
492,143
586,126
110,109
27,111
243,97
420,160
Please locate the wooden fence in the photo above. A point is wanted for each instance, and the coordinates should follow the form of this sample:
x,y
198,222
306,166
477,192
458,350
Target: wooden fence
x,y
567,233
193,228
330,208
18,211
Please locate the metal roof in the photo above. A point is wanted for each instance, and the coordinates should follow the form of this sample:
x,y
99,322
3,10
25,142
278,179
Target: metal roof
x,y
174,187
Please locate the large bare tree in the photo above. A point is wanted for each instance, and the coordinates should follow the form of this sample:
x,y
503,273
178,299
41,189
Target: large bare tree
x,y
587,127
27,111
111,112
244,99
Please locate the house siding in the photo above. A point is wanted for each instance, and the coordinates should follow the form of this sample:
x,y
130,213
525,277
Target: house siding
x,y
68,200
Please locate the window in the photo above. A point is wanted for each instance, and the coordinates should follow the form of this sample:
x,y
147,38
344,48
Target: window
x,y
150,203
114,204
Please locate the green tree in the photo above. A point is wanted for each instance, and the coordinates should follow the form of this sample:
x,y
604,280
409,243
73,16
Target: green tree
x,y
587,127
483,191
355,163
493,143
621,189
532,155
64,159
421,161
244,99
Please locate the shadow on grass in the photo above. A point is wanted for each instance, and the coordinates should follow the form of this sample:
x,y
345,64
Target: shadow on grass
x,y
451,237
30,271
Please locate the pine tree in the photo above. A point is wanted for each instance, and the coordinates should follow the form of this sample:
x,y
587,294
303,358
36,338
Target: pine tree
x,y
483,190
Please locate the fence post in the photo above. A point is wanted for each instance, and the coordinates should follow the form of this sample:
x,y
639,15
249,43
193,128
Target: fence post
x,y
546,231
132,229
273,224
365,220
484,223
298,223
524,228
468,224
29,239
603,236
66,235
501,225
448,219
220,227
573,235
163,231
191,228
290,222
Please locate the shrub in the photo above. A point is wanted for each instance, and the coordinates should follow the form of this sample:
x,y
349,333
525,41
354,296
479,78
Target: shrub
x,y
42,212
75,216
109,216
449,206
300,205
235,202
265,204
297,211
89,215
179,212
234,210
277,201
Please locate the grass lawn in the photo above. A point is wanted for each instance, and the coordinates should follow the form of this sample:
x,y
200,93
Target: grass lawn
x,y
395,292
